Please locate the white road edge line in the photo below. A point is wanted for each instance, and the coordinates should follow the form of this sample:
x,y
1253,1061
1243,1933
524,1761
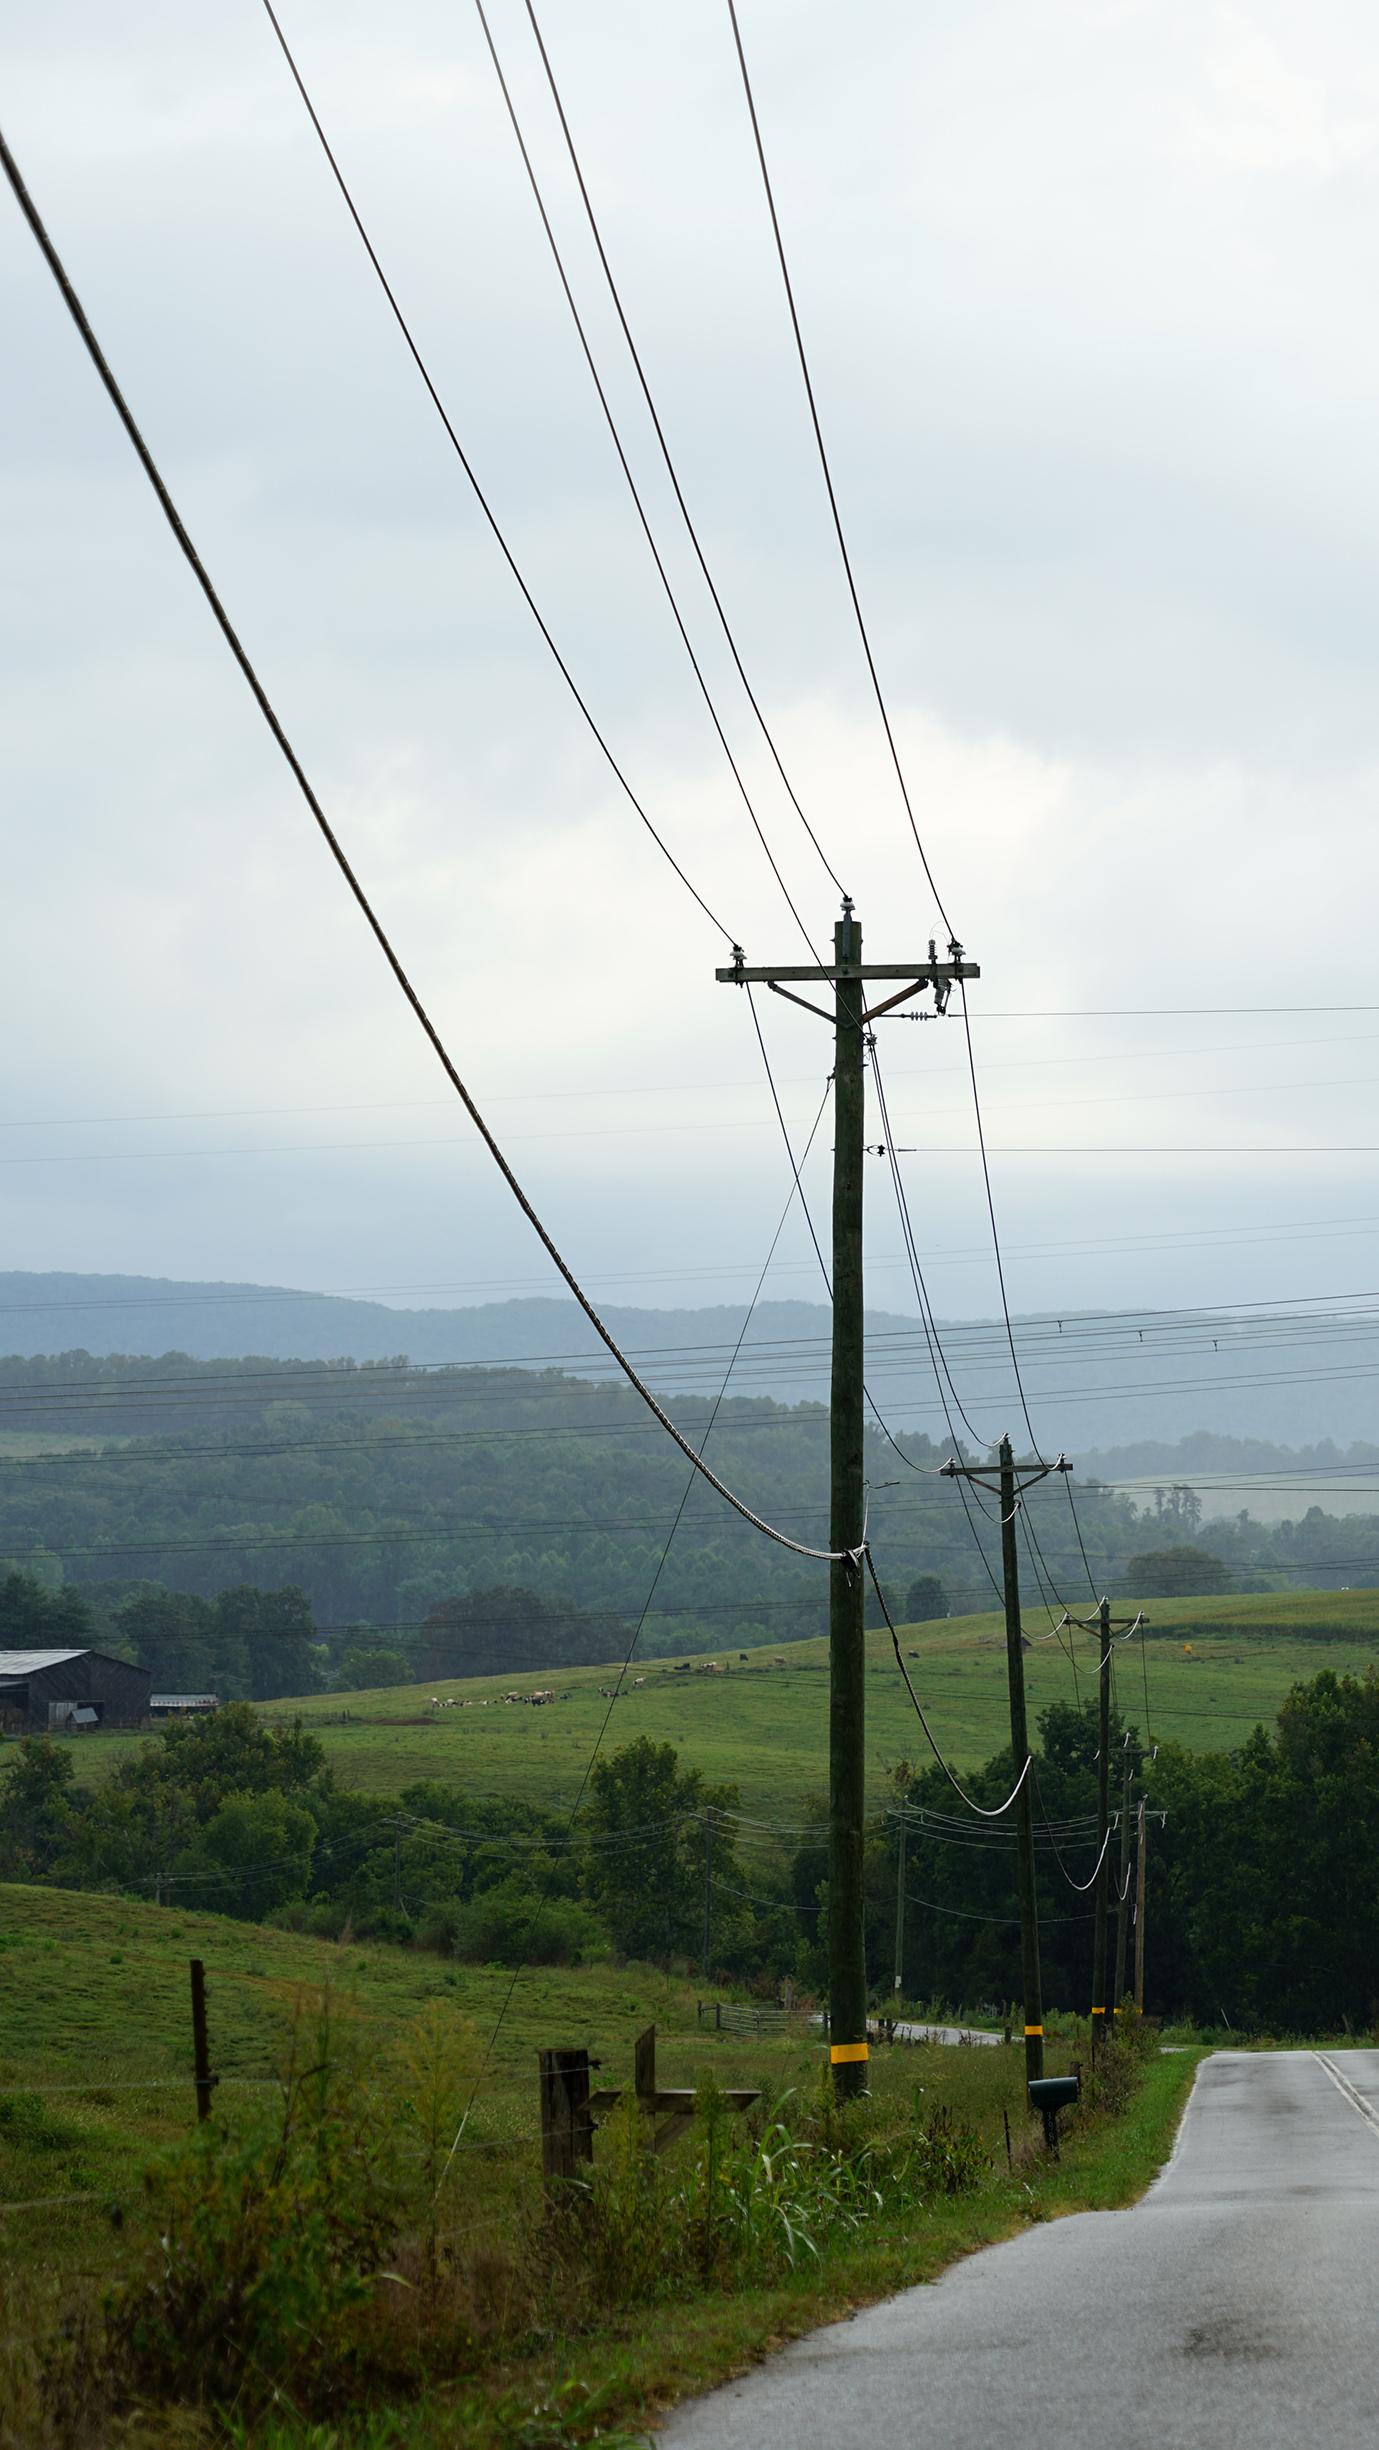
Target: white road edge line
x,y
1347,2091
1178,2133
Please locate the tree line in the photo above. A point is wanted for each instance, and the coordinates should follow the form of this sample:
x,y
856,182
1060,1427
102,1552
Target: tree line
x,y
231,1815
1262,1895
383,1492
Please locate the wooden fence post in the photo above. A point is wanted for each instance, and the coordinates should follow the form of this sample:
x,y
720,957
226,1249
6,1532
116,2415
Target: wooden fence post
x,y
201,2048
567,2130
644,2070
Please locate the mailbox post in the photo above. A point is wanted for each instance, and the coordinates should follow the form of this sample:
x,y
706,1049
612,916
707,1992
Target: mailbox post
x,y
1049,2095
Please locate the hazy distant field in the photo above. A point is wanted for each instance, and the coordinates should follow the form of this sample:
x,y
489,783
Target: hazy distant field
x,y
766,1727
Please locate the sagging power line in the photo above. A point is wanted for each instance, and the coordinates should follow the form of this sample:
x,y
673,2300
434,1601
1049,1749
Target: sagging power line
x,y
345,867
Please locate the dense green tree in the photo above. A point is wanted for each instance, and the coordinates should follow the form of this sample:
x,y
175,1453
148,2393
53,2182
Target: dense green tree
x,y
1175,1573
645,1832
507,1631
925,1599
278,1638
32,1617
35,1808
174,1634
366,1669
252,1855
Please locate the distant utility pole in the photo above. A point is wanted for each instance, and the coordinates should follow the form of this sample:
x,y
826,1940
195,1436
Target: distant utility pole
x,y
901,1834
1010,1487
851,1018
1123,1909
1139,1908
1103,1826
708,1887
1102,1625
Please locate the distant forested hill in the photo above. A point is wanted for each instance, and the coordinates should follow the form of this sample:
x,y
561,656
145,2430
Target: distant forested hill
x,y
1098,1382
384,1490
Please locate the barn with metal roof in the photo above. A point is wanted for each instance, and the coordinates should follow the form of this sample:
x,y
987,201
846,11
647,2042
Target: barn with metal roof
x,y
82,1688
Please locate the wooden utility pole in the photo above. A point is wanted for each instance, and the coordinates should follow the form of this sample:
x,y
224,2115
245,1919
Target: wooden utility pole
x,y
1103,1987
708,1887
847,1656
1103,1827
1123,1909
1139,1909
1019,1753
850,1017
1010,1486
902,1833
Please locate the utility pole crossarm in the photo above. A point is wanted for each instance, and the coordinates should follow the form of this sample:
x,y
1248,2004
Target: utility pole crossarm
x,y
923,973
1026,1475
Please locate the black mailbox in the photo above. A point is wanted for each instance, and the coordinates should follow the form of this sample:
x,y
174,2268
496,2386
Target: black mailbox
x,y
1049,2095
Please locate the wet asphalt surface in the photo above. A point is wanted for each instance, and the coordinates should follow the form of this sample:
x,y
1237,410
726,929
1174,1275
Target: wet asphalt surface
x,y
1235,2308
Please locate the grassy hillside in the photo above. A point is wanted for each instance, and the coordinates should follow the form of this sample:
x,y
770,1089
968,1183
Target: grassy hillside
x,y
1215,1667
525,2331
96,2070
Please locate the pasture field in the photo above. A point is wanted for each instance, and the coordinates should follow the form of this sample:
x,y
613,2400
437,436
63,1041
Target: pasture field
x,y
1215,1667
95,2085
96,2057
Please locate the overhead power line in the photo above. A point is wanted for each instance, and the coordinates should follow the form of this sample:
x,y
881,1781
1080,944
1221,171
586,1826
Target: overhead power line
x,y
478,492
616,1693
881,706
338,854
671,471
1155,1012
617,441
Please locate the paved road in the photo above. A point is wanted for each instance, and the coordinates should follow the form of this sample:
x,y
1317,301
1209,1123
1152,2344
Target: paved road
x,y
908,2032
1236,2308
949,2033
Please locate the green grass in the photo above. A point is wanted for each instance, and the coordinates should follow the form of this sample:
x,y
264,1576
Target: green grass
x,y
765,1728
94,1996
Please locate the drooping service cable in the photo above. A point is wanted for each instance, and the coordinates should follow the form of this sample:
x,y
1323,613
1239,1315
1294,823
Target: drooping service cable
x,y
911,1248
342,861
982,1811
938,1359
1079,1887
628,1656
881,1422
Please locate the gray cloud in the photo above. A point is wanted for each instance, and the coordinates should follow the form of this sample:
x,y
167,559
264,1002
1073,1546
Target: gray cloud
x,y
1086,286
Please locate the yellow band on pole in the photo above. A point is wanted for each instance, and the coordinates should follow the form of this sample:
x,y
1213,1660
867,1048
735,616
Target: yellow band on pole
x,y
843,2054
1031,2030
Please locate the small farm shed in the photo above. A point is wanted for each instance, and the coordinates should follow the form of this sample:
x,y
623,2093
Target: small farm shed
x,y
182,1705
50,1688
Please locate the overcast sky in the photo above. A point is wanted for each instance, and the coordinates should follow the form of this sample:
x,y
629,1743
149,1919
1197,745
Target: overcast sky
x,y
1089,294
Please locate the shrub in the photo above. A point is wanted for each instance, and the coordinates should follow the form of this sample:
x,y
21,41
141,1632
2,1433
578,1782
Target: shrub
x,y
515,1925
268,2247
